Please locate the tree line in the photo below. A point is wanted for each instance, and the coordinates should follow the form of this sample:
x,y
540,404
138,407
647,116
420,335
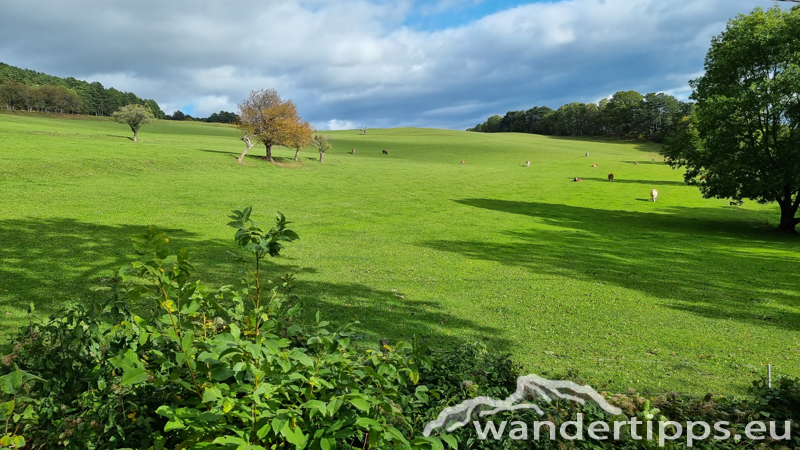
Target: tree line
x,y
23,89
220,117
653,116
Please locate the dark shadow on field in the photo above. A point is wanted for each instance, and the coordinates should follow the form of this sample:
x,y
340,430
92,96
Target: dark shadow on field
x,y
662,163
639,144
130,138
384,314
618,179
56,262
234,154
690,258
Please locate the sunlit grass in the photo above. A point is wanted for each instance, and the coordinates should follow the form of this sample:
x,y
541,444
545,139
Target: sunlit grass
x,y
590,279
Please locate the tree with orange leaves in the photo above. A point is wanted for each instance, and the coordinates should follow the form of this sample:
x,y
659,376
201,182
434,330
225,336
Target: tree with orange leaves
x,y
265,116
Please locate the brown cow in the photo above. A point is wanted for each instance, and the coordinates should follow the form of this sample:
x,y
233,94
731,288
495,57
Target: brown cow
x,y
463,163
385,152
594,165
577,179
611,177
353,151
637,163
527,163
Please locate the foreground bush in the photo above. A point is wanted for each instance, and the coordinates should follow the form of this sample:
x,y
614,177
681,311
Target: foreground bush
x,y
232,369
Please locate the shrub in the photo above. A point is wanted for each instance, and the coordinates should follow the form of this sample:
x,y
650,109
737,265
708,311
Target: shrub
x,y
233,369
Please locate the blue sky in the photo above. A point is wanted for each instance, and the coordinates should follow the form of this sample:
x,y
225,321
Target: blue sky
x,y
432,15
379,63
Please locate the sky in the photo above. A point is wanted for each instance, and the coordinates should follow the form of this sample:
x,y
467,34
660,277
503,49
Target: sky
x,y
378,63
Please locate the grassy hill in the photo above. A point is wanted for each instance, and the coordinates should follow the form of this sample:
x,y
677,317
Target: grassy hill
x,y
588,279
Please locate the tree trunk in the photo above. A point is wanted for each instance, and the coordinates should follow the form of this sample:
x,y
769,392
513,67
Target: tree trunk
x,y
246,140
321,156
788,219
135,135
269,152
296,154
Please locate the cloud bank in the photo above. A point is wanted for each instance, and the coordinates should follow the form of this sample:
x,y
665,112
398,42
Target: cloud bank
x,y
350,63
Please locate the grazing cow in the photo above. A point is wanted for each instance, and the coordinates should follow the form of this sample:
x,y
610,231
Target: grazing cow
x,y
637,163
654,194
463,163
385,152
353,151
587,154
577,179
611,177
594,165
527,163
653,159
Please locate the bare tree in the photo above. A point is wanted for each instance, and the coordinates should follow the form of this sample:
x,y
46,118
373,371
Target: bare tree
x,y
364,130
321,142
246,138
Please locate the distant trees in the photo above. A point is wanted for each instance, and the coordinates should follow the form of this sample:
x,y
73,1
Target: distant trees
x,y
18,96
23,89
743,140
220,117
134,116
626,114
272,120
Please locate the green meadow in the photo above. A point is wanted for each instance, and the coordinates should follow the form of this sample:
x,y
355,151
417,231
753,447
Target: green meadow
x,y
588,280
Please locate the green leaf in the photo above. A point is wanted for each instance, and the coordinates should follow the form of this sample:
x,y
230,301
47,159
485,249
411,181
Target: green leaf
x,y
262,432
359,403
433,441
211,394
301,357
235,331
366,422
187,341
451,441
10,383
220,373
133,375
295,436
396,434
316,404
6,410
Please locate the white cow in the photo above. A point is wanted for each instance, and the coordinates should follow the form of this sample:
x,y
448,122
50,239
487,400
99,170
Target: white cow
x,y
654,194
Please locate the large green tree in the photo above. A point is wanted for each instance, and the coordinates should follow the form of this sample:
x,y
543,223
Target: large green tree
x,y
743,140
134,116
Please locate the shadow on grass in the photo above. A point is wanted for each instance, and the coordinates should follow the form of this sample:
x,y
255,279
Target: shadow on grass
x,y
701,261
638,144
223,152
55,263
646,182
661,163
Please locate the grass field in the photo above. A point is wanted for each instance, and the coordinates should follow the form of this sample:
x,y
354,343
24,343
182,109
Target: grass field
x,y
590,279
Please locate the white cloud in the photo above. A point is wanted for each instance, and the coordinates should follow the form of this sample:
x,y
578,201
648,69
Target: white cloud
x,y
334,124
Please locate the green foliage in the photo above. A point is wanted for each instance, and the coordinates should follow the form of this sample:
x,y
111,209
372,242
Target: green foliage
x,y
626,114
209,370
134,116
744,140
74,96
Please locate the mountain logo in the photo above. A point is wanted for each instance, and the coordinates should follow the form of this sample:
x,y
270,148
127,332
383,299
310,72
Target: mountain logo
x,y
529,387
